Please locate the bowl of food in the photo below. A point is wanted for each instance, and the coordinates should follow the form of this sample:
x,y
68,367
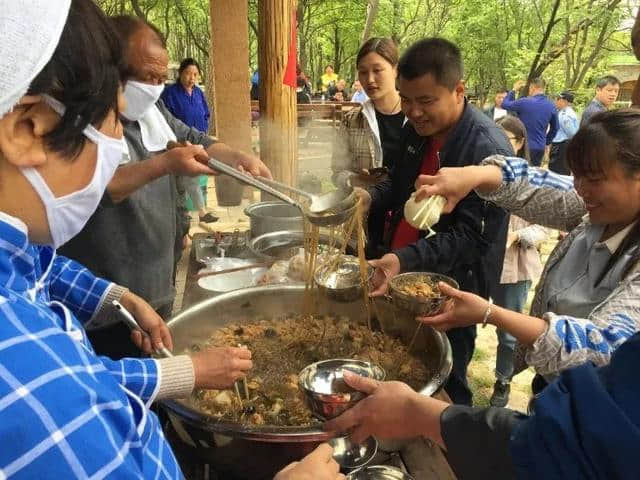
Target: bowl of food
x,y
418,292
325,390
340,279
379,472
352,456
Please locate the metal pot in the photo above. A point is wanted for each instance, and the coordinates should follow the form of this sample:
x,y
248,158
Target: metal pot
x,y
259,452
266,217
282,245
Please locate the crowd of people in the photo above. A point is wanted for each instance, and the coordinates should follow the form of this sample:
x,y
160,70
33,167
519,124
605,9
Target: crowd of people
x,y
95,158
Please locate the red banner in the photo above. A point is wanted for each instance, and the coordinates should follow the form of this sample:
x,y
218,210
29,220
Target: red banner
x,y
290,75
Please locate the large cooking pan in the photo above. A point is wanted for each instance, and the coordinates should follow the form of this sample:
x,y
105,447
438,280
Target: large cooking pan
x,y
259,452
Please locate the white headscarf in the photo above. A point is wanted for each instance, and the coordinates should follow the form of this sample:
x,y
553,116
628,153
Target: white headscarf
x,y
29,34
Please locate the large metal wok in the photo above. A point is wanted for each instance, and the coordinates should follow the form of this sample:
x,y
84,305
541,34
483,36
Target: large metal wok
x,y
258,452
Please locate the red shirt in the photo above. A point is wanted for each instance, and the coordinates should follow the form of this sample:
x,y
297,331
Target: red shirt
x,y
405,234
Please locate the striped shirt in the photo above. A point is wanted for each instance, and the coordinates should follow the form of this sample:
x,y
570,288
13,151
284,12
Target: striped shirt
x,y
64,411
583,334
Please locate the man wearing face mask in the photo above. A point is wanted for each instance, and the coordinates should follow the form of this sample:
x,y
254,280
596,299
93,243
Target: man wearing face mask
x,y
131,238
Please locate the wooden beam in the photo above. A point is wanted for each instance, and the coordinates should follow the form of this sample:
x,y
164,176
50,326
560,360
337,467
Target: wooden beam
x,y
278,120
230,64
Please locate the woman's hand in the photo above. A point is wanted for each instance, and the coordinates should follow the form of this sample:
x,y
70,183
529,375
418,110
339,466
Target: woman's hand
x,y
149,321
221,366
318,465
462,310
386,268
456,183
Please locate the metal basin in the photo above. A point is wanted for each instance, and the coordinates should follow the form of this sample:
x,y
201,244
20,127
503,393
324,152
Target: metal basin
x,y
259,452
282,245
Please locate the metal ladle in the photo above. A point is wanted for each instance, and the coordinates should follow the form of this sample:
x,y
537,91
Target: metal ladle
x,y
328,209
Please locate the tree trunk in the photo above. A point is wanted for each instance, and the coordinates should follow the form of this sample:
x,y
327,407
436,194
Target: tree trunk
x,y
138,11
232,108
278,112
533,71
372,10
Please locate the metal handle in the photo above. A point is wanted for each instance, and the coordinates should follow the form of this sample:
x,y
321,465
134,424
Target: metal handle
x,y
276,184
128,319
249,180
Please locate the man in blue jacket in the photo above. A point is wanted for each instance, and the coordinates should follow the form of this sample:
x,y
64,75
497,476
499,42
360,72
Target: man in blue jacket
x,y
538,114
585,425
443,130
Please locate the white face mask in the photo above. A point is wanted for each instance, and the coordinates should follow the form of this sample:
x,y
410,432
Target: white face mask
x,y
140,98
67,215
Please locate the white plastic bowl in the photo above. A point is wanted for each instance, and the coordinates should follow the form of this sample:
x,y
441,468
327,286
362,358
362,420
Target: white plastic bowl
x,y
230,281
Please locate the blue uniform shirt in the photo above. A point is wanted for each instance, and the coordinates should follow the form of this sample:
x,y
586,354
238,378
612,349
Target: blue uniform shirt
x,y
537,113
191,109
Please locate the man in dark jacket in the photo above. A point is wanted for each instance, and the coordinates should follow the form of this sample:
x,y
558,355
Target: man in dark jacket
x,y
586,425
444,130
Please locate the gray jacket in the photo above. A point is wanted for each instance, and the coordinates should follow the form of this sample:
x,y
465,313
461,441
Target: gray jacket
x,y
132,242
548,199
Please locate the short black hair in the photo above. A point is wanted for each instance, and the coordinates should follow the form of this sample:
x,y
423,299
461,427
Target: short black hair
x,y
436,56
607,80
538,82
502,90
186,63
84,74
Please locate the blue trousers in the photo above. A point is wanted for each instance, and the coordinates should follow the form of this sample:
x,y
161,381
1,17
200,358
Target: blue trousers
x,y
512,296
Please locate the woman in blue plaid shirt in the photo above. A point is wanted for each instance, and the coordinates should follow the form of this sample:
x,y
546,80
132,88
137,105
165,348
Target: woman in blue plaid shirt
x,y
64,411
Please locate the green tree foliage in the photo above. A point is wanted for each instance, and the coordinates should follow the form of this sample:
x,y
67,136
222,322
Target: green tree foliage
x,y
569,42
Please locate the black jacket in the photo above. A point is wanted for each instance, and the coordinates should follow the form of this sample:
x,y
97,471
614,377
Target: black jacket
x,y
470,241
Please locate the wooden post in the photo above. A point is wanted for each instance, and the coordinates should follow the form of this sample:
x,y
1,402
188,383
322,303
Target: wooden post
x,y
278,116
230,64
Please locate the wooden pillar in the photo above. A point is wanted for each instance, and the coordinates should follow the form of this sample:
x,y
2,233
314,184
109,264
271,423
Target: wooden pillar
x,y
229,56
278,116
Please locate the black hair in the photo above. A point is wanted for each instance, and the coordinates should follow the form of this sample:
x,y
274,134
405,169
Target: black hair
x,y
186,63
126,26
436,56
501,90
515,126
607,80
538,82
609,137
84,74
385,47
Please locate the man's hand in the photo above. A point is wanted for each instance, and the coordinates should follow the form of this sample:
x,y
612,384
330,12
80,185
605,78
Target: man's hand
x,y
386,268
252,165
149,321
221,366
318,465
462,310
518,85
387,412
189,160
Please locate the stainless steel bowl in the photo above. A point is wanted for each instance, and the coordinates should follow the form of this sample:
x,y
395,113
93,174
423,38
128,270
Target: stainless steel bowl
x,y
326,392
343,283
352,456
284,244
379,472
414,304
228,445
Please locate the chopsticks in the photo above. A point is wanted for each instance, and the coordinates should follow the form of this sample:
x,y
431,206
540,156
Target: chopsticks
x,y
244,385
235,269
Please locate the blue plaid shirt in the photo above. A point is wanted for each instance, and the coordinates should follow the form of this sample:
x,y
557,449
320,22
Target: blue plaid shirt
x,y
64,411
